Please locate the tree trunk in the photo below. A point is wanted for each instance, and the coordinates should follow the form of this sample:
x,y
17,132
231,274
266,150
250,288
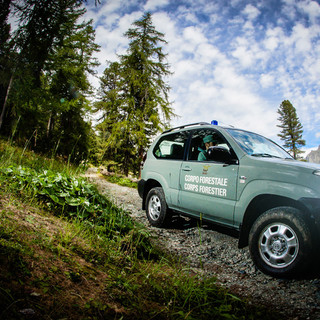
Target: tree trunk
x,y
5,102
49,125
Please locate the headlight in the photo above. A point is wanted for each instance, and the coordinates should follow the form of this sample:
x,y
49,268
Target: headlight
x,y
316,172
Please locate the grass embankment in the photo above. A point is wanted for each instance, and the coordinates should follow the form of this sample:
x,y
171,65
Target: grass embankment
x,y
120,180
67,252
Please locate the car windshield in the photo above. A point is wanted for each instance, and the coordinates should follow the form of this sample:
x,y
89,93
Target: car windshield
x,y
258,146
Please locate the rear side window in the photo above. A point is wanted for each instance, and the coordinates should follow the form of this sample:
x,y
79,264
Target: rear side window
x,y
171,146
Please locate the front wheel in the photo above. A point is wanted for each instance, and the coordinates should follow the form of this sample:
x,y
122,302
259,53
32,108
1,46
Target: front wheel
x,y
280,242
156,208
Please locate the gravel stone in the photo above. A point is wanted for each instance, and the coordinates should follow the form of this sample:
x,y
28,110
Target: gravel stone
x,y
213,252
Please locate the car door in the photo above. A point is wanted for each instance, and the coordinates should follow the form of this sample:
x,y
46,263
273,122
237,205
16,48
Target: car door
x,y
208,187
169,153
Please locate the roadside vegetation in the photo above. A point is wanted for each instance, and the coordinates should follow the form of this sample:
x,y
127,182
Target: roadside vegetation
x,y
121,180
68,252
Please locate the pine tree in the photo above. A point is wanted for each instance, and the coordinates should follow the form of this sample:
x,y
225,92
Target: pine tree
x,y
291,132
66,74
137,107
51,57
112,111
5,57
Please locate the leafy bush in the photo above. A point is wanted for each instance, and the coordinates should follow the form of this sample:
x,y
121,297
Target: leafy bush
x,y
73,197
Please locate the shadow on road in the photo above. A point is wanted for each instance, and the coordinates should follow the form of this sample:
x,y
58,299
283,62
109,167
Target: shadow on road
x,y
184,223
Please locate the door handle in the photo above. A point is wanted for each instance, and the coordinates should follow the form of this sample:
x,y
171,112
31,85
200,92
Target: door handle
x,y
186,169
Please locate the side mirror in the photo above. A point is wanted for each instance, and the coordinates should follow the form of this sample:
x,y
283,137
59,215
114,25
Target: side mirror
x,y
220,154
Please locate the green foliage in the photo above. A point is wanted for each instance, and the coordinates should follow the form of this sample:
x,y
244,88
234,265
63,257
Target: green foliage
x,y
179,293
6,57
47,82
134,97
70,196
10,154
121,181
292,130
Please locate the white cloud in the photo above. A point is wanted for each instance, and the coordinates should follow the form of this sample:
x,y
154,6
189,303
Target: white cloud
x,y
251,12
207,54
155,4
301,38
266,80
106,13
312,8
273,38
229,67
194,35
166,25
227,96
244,56
249,53
289,9
184,69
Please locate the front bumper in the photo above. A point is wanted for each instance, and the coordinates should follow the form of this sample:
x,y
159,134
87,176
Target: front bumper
x,y
313,206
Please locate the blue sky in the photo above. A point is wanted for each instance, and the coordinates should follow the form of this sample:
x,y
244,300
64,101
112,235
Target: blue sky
x,y
232,60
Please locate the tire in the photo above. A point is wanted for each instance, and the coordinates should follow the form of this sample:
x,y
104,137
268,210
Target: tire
x,y
280,242
156,208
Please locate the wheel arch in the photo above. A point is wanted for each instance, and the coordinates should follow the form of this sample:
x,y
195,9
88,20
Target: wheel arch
x,y
261,204
150,183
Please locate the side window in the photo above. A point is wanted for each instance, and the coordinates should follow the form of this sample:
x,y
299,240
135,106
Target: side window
x,y
202,140
171,146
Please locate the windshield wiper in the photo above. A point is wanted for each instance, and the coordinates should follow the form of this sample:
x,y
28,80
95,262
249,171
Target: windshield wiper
x,y
264,155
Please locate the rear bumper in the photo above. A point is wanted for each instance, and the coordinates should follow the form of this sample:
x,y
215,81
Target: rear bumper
x,y
141,187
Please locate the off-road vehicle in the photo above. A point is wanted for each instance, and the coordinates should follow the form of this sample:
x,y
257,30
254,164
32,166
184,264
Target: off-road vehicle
x,y
241,180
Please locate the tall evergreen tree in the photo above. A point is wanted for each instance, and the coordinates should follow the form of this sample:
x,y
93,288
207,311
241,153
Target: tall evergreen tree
x,y
110,108
66,77
5,56
39,26
141,106
53,59
292,130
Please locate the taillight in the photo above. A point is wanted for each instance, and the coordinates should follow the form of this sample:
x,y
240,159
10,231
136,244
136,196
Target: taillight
x,y
144,158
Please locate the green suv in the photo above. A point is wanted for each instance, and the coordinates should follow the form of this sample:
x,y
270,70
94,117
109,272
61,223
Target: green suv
x,y
241,180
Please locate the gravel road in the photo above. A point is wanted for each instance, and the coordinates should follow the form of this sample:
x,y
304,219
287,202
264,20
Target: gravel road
x,y
214,252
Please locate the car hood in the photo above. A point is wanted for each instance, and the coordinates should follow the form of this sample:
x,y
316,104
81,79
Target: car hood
x,y
288,162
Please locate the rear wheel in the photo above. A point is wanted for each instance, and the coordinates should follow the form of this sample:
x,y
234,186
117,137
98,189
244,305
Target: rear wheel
x,y
156,208
280,242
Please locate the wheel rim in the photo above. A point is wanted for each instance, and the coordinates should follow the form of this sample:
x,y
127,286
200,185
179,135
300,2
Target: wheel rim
x,y
154,207
278,245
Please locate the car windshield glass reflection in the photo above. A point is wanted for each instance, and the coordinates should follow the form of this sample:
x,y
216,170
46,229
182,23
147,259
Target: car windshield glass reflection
x,y
258,146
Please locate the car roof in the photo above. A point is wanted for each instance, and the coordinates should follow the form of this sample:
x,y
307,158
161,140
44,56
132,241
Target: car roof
x,y
188,125
206,125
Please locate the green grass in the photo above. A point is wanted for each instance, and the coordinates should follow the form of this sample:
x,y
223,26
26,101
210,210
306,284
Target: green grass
x,y
67,251
13,155
121,181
